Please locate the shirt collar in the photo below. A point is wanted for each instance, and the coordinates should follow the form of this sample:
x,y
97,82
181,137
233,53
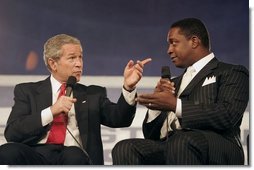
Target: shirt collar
x,y
55,84
202,62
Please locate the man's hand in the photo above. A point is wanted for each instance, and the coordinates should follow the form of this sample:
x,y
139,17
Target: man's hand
x,y
133,73
165,85
163,98
62,105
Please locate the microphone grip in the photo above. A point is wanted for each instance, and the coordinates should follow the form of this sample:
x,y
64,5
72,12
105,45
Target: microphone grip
x,y
166,78
165,72
68,91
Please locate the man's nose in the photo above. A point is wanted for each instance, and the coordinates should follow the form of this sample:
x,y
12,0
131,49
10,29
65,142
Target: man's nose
x,y
78,62
170,51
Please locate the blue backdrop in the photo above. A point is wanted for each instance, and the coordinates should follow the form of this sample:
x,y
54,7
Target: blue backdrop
x,y
114,31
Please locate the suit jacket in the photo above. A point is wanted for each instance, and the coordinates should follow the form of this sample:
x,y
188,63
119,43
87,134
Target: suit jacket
x,y
214,109
24,123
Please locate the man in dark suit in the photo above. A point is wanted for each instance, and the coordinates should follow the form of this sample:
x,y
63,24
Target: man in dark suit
x,y
193,119
37,108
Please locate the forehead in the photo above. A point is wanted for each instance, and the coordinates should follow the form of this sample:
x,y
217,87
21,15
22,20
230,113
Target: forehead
x,y
70,48
174,33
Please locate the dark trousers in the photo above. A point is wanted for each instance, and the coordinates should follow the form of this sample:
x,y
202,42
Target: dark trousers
x,y
181,148
42,154
139,152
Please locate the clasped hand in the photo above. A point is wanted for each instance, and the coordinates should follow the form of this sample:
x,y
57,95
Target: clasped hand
x,y
163,98
62,105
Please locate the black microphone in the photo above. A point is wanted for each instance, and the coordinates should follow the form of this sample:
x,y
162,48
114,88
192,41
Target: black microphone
x,y
165,72
70,85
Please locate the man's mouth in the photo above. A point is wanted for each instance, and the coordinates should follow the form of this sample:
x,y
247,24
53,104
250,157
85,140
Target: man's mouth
x,y
173,58
78,73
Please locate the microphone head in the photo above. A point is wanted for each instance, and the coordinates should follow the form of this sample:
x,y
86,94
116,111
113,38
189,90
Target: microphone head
x,y
165,72
71,81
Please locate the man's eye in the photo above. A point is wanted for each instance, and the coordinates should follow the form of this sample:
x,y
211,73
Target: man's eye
x,y
174,43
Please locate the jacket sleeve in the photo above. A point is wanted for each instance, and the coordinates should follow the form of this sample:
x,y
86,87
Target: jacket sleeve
x,y
24,123
116,115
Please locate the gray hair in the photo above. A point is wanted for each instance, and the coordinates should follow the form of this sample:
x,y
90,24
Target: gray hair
x,y
53,47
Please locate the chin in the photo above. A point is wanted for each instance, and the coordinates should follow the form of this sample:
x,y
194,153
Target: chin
x,y
179,65
78,77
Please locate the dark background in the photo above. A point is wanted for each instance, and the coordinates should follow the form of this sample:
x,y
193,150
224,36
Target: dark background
x,y
114,31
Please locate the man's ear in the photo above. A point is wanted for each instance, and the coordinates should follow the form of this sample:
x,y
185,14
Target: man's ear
x,y
195,41
52,64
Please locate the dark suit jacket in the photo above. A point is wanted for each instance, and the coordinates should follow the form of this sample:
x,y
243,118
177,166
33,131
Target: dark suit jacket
x,y
24,123
214,109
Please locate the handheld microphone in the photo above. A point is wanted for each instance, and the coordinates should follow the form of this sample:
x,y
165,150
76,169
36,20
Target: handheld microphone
x,y
165,72
70,85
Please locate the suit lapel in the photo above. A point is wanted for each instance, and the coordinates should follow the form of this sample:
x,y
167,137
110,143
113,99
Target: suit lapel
x,y
177,82
200,76
44,95
81,109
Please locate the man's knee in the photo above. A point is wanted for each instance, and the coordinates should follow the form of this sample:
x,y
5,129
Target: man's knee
x,y
121,147
11,153
75,156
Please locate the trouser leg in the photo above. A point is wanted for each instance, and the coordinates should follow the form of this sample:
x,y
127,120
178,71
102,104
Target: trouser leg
x,y
19,154
73,155
187,148
138,152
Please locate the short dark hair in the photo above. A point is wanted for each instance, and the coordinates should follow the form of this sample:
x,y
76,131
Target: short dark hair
x,y
193,26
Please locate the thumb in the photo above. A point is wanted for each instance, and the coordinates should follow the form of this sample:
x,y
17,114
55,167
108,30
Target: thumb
x,y
74,100
130,64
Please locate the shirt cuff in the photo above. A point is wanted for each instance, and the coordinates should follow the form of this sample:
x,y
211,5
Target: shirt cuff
x,y
46,116
178,111
129,96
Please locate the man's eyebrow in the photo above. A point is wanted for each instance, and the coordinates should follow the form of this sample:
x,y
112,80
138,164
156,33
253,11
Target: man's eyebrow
x,y
71,54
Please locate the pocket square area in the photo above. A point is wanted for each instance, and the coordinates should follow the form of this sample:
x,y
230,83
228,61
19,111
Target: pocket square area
x,y
209,80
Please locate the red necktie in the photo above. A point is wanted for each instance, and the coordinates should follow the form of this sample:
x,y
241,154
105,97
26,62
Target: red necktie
x,y
58,129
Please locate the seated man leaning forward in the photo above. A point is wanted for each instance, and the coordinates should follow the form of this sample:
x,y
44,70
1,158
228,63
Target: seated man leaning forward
x,y
48,127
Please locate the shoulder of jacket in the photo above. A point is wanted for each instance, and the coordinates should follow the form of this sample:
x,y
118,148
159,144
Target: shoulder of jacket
x,y
228,66
91,88
29,84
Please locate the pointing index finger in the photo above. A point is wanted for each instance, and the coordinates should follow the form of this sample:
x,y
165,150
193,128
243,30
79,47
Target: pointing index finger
x,y
145,61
